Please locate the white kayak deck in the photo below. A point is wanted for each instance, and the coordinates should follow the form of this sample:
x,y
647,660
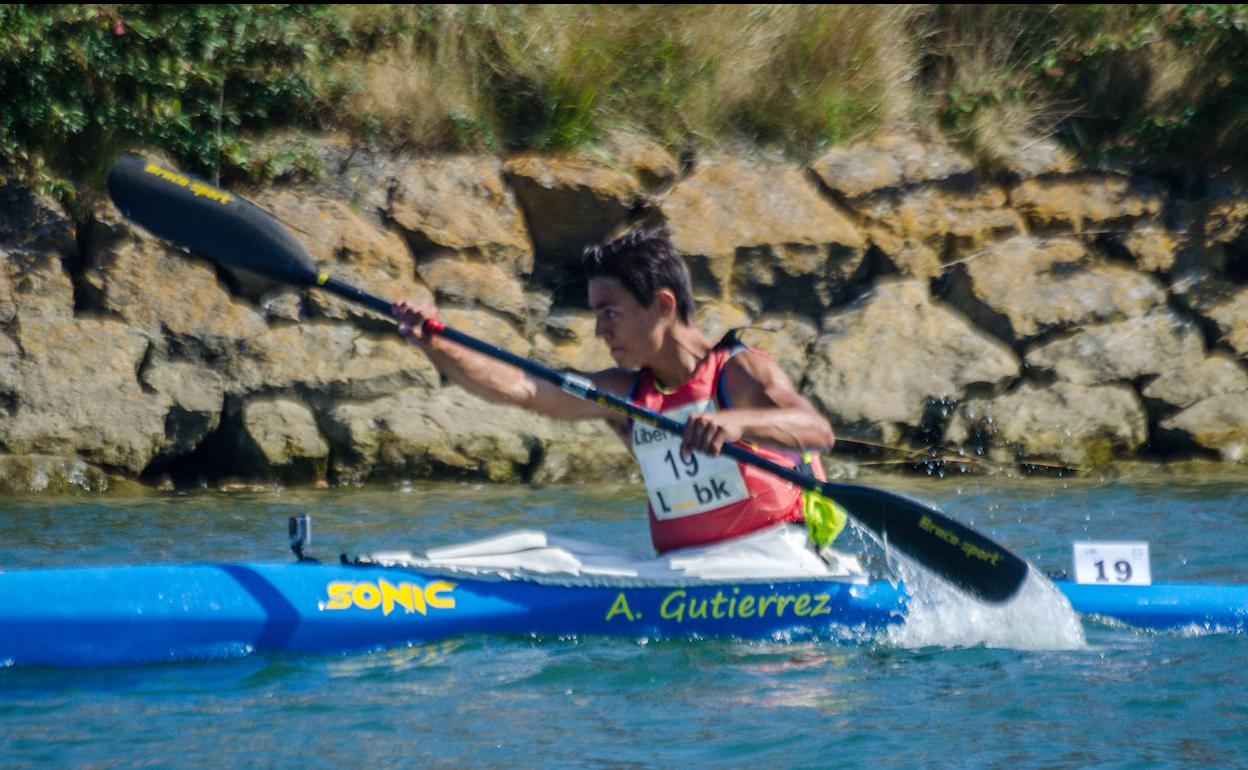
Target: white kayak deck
x,y
777,553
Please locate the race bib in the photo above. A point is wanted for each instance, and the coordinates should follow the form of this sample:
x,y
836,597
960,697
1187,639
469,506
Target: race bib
x,y
680,485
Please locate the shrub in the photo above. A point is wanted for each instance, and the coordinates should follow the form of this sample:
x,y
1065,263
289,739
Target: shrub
x,y
80,83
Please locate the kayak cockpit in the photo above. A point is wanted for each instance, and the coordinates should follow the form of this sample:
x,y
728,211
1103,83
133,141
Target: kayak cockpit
x,y
777,553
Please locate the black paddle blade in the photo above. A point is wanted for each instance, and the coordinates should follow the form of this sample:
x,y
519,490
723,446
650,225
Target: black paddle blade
x,y
207,220
952,550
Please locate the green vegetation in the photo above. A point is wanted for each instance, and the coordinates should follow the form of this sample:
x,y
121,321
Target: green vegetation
x,y
1151,84
83,82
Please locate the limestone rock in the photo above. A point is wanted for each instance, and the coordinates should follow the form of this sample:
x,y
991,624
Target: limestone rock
x,y
569,203
645,159
567,341
1226,215
883,361
415,433
282,437
1075,424
77,394
1154,247
352,245
350,171
786,338
460,204
488,327
33,223
775,216
893,159
35,238
1024,157
128,352
195,398
1026,287
145,283
10,360
1231,317
1214,376
1150,344
1081,202
906,256
1223,304
918,229
787,276
33,284
457,281
716,318
586,452
331,360
283,304
1219,423
96,388
25,474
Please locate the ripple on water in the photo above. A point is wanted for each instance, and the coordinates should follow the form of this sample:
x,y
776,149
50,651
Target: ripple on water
x,y
963,686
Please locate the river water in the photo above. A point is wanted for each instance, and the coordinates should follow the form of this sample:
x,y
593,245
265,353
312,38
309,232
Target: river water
x,y
957,692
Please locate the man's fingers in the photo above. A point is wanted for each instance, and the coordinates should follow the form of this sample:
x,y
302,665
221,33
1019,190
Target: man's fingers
x,y
412,318
704,435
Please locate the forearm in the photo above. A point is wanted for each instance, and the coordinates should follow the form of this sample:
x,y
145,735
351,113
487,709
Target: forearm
x,y
484,377
501,383
799,430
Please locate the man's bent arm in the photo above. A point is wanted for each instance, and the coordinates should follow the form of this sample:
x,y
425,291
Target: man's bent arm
x,y
768,409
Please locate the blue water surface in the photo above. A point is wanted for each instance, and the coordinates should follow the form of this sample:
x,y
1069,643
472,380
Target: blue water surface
x,y
1128,699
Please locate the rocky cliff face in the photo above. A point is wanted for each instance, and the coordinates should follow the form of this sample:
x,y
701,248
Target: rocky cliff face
x,y
1054,315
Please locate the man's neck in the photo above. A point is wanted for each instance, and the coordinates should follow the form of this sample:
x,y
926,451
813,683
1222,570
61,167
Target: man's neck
x,y
683,349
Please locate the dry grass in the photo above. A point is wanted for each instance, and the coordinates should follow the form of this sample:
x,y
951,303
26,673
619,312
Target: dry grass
x,y
797,77
1157,83
810,75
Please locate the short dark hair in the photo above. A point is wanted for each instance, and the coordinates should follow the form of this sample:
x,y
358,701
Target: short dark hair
x,y
644,261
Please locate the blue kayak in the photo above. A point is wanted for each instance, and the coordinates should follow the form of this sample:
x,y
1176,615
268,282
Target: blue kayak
x,y
144,614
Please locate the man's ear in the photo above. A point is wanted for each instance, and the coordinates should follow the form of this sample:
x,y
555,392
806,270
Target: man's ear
x,y
665,300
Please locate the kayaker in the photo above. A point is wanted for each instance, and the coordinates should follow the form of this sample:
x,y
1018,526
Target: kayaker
x,y
642,297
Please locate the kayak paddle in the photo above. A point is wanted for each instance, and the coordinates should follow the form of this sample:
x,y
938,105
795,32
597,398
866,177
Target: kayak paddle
x,y
232,231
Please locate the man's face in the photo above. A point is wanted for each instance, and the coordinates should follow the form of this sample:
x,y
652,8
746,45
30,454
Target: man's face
x,y
632,331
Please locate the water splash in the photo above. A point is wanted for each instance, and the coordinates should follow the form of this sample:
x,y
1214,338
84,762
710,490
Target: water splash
x,y
1038,618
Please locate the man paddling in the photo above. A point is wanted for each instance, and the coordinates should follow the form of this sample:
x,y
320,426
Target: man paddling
x,y
642,298
231,230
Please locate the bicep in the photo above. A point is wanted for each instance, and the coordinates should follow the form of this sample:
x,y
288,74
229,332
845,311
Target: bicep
x,y
772,408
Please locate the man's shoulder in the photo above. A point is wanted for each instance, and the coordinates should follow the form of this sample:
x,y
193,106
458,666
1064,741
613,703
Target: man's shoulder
x,y
752,363
751,373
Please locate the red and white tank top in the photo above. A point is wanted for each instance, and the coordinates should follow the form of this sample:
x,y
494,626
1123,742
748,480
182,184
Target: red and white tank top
x,y
700,499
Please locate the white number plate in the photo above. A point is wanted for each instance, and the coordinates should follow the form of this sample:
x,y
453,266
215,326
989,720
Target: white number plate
x,y
681,486
1122,564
